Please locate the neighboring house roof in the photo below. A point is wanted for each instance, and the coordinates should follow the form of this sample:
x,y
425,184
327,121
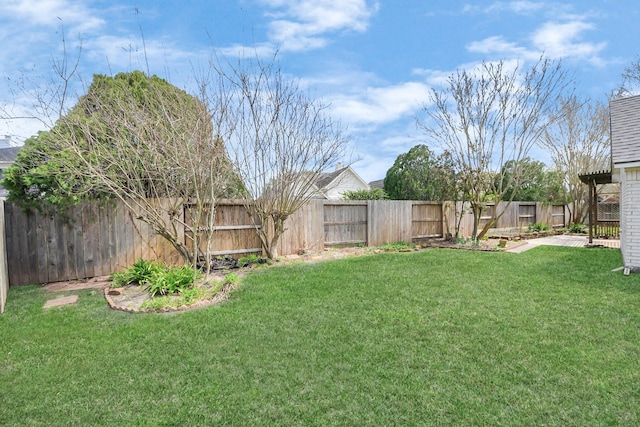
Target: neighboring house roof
x,y
625,130
377,184
9,154
331,185
324,179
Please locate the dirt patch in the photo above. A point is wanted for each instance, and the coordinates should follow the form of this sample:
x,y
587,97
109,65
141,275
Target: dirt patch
x,y
491,244
131,298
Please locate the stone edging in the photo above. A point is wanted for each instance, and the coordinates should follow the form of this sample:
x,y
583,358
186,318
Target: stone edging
x,y
218,298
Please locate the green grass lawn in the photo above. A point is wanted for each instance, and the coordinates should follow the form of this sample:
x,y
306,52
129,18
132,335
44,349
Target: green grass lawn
x,y
440,337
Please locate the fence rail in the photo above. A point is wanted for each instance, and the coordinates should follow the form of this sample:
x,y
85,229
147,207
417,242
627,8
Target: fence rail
x,y
92,240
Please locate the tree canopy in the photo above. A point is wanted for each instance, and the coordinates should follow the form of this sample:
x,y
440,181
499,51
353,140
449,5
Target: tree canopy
x,y
421,175
140,140
123,124
539,184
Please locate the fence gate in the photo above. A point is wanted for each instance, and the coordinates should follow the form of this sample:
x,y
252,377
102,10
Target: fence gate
x,y
345,223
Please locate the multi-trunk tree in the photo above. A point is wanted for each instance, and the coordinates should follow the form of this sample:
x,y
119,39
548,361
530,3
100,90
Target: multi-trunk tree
x,y
142,141
282,139
578,142
489,116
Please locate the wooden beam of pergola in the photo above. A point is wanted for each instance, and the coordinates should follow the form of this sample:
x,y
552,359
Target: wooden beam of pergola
x,y
592,180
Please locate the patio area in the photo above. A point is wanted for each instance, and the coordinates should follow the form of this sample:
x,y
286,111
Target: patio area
x,y
565,240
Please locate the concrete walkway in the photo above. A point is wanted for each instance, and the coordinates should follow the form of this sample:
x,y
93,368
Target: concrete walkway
x,y
564,240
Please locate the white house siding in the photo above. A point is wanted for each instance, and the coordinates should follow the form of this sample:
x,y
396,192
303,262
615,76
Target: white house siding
x,y
625,130
630,218
345,182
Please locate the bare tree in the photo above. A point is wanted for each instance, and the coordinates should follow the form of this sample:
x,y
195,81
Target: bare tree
x,y
630,80
48,100
578,142
489,116
282,140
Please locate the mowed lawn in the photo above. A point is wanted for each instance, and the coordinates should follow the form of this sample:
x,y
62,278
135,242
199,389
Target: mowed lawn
x,y
439,337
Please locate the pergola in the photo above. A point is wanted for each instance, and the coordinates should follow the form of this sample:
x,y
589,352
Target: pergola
x,y
593,180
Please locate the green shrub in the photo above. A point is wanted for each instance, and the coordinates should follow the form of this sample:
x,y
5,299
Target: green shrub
x,y
193,294
160,302
538,226
371,194
171,280
139,273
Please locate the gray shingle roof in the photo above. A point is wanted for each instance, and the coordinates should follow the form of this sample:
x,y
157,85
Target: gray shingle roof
x,y
325,179
9,154
377,183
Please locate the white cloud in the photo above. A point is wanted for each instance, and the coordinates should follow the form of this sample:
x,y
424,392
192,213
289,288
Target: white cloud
x,y
51,13
304,24
379,105
519,7
553,39
560,40
124,53
497,44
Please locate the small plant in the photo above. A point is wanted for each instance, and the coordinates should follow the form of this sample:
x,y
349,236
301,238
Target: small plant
x,y
538,226
160,302
193,294
171,280
577,227
467,241
231,279
397,246
250,259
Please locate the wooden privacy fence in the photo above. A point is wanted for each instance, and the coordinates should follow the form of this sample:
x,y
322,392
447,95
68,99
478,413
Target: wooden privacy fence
x,y
93,240
89,241
517,215
374,223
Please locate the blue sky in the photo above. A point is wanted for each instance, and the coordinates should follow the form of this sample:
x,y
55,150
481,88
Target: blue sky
x,y
373,61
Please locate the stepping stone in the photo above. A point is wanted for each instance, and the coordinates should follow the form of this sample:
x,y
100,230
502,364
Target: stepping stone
x,y
71,299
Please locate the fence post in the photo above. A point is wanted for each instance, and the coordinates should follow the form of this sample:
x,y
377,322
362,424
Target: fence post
x,y
4,276
369,222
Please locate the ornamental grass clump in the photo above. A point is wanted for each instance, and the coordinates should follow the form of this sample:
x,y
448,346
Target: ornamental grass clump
x,y
156,278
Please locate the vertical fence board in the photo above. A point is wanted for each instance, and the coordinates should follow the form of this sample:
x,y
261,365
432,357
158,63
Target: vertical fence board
x,y
32,248
4,274
22,223
41,267
68,240
86,256
52,248
78,243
